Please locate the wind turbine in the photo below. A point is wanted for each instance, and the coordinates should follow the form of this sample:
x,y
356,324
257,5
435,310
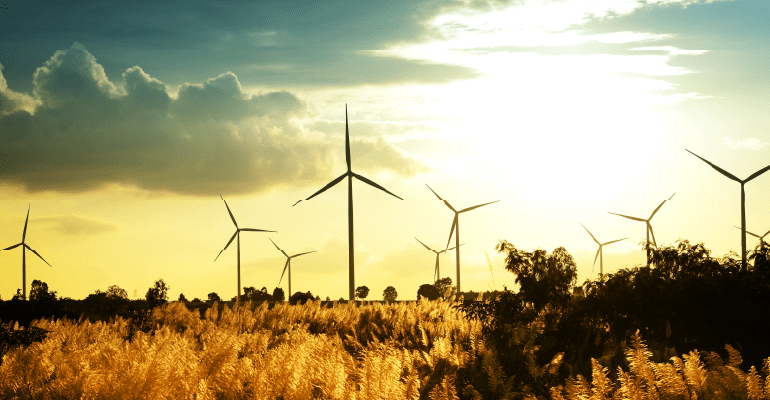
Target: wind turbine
x,y
350,175
24,255
649,227
761,238
238,234
599,253
456,229
743,202
436,273
288,264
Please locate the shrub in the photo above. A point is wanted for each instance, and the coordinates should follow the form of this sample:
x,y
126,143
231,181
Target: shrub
x,y
428,291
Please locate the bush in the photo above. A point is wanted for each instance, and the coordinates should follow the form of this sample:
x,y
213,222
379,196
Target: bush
x,y
301,298
389,294
213,296
362,292
428,291
278,294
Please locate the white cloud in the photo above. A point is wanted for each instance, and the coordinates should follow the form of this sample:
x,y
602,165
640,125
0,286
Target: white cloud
x,y
73,224
747,143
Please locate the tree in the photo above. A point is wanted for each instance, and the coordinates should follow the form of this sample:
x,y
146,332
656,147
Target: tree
x,y
301,298
182,299
196,300
213,296
115,292
18,296
428,291
157,294
389,294
362,292
278,294
445,288
544,278
40,293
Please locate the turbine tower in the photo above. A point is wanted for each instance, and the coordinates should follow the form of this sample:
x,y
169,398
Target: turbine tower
x,y
599,253
761,238
350,175
436,273
288,264
24,255
238,234
743,202
456,230
649,227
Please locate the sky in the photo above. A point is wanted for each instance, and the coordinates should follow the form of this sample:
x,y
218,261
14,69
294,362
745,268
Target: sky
x,y
122,123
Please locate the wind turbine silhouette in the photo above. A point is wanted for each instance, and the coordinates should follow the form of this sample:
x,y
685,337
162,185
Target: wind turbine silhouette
x,y
456,229
24,255
238,234
436,273
649,227
288,264
350,175
761,238
599,253
743,201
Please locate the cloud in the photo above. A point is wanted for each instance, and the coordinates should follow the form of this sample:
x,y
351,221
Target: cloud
x,y
86,132
73,224
747,143
671,50
11,101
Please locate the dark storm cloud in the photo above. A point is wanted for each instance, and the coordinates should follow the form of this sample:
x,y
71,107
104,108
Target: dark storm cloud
x,y
213,138
316,41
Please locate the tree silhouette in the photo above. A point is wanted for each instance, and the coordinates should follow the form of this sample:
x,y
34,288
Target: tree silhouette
x,y
115,292
428,291
278,294
389,294
182,298
157,294
213,296
445,288
362,292
40,293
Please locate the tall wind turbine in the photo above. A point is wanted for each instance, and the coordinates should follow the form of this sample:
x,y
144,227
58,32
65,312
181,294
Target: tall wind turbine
x,y
238,234
350,175
436,273
649,227
288,264
743,201
761,238
24,255
599,253
456,230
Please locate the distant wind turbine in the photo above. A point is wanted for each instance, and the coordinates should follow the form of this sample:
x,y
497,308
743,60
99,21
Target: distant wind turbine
x,y
456,230
24,255
288,264
436,273
350,175
599,253
761,238
649,227
743,201
238,234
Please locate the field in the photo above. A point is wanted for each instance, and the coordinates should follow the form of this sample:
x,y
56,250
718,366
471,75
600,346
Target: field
x,y
406,350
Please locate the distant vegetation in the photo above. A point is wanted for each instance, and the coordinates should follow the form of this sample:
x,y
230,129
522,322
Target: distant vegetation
x,y
689,326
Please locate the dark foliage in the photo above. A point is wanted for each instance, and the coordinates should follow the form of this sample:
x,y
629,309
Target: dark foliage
x,y
157,295
301,298
11,339
250,293
213,296
362,292
428,291
278,294
389,294
442,286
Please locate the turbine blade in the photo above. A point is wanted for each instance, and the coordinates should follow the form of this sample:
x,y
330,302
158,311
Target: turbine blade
x,y
652,234
452,248
589,232
597,256
723,172
365,180
752,234
475,207
614,241
255,230
279,249
296,203
765,234
656,210
14,246
426,246
626,216
672,196
332,183
347,139
24,235
284,271
450,206
756,174
41,257
451,231
228,244
230,212
439,197
300,254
